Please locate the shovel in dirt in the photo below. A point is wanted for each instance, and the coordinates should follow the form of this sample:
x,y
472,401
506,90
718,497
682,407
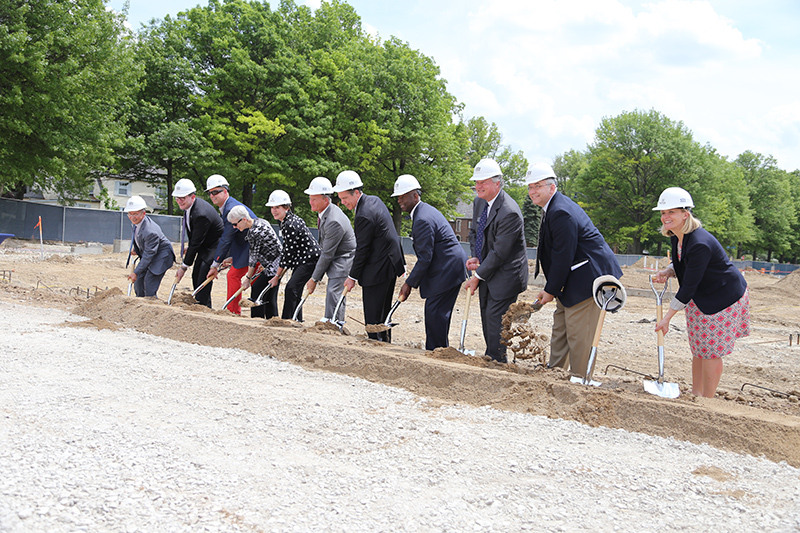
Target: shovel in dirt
x,y
238,292
175,283
339,324
206,282
300,305
464,327
609,295
387,324
658,387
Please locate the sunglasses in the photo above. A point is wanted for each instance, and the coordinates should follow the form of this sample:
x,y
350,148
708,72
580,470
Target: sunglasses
x,y
215,192
235,224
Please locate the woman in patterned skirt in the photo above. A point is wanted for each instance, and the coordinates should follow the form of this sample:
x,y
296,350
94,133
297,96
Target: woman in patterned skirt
x,y
712,290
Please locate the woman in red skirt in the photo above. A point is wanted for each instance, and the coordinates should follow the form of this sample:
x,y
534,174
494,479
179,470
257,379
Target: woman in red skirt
x,y
712,290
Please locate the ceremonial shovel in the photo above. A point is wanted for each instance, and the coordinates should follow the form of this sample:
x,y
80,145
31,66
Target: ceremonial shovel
x,y
464,327
659,388
609,295
300,305
206,282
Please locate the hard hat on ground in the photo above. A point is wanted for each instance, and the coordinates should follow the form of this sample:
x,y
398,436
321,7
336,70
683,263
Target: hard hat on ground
x,y
404,184
319,185
347,180
215,181
135,203
184,187
674,198
485,169
278,197
539,172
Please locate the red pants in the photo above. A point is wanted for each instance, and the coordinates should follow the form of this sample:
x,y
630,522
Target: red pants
x,y
235,276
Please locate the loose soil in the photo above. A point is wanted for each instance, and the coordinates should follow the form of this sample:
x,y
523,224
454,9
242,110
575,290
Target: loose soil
x,y
745,416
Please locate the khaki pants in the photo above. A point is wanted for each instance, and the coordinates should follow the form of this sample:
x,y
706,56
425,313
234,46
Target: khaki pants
x,y
573,333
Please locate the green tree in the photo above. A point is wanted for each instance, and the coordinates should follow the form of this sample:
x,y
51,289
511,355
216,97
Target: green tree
x,y
64,69
772,203
633,158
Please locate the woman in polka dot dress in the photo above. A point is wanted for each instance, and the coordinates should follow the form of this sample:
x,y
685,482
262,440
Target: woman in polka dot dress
x,y
300,252
712,290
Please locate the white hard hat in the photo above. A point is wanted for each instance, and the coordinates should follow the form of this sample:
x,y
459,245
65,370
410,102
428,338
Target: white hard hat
x,y
404,184
215,181
184,187
347,180
135,203
674,198
319,185
278,197
609,293
485,169
539,172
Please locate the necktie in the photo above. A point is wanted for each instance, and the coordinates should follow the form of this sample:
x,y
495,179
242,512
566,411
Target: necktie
x,y
479,233
539,245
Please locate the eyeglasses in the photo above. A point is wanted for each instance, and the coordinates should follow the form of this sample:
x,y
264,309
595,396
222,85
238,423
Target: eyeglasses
x,y
215,192
538,185
235,224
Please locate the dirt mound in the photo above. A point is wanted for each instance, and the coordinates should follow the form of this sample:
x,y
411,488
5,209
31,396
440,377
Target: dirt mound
x,y
68,259
276,322
790,282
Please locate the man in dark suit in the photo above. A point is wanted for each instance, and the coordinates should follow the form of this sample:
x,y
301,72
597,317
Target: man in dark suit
x,y
202,228
572,254
499,260
232,248
378,258
440,268
153,248
338,243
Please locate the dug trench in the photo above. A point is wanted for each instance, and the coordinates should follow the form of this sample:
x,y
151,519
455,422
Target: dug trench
x,y
447,376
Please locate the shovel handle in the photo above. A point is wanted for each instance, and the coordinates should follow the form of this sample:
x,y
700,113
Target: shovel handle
x,y
659,317
599,329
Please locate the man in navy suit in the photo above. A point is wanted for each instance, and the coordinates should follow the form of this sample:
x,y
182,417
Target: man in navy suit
x,y
440,268
499,259
153,248
379,258
232,248
202,229
572,253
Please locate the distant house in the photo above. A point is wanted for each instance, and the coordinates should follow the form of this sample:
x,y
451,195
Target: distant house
x,y
462,222
119,191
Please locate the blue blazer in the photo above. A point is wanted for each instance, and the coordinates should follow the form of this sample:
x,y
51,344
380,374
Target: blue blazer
x,y
441,261
568,238
232,243
705,273
155,253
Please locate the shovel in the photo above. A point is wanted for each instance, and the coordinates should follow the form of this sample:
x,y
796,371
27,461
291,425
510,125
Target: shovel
x,y
238,292
300,305
133,267
659,388
175,283
609,295
206,282
336,310
387,324
464,327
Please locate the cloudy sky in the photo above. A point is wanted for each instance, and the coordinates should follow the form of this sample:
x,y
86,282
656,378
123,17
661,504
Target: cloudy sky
x,y
548,71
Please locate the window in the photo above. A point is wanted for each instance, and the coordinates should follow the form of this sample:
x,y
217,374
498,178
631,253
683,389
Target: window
x,y
458,225
122,188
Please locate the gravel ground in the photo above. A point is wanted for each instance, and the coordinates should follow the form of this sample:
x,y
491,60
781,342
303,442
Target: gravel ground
x,y
120,431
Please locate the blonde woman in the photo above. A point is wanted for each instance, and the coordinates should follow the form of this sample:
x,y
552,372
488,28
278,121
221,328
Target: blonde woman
x,y
712,290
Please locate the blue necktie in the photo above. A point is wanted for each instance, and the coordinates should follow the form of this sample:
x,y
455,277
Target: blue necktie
x,y
479,233
184,235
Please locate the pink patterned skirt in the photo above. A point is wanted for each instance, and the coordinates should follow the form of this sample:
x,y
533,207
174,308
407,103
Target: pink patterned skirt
x,y
712,336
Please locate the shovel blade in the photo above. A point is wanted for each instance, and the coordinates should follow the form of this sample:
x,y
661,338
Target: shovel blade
x,y
171,292
583,381
665,390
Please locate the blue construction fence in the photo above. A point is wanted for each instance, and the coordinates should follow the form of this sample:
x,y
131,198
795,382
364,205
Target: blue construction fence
x,y
82,224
